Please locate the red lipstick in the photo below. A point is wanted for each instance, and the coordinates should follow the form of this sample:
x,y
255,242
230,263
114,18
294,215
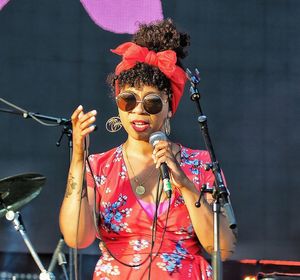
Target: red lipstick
x,y
139,125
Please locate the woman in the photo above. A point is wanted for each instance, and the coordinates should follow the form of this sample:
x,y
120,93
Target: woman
x,y
145,234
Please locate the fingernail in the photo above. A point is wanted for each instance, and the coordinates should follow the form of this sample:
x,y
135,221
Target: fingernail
x,y
79,107
94,112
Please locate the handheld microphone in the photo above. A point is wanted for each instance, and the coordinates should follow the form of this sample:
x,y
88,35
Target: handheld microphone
x,y
164,170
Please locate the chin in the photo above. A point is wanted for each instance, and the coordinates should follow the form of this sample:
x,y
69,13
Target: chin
x,y
142,136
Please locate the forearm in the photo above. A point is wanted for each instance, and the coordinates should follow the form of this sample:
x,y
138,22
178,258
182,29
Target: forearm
x,y
76,222
202,220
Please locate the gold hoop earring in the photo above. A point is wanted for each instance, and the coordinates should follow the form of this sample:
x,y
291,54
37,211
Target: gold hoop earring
x,y
167,127
113,124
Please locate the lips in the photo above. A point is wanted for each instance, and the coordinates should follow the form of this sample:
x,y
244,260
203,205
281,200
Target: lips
x,y
139,125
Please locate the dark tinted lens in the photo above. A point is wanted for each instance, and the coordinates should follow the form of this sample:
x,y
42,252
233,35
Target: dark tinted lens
x,y
152,103
126,101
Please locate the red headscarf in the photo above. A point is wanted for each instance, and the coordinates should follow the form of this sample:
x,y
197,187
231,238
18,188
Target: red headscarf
x,y
165,61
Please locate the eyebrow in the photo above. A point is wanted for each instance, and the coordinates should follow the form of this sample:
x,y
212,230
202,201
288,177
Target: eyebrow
x,y
147,93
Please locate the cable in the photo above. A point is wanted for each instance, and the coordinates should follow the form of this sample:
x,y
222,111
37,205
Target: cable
x,y
154,225
96,219
162,237
96,222
83,192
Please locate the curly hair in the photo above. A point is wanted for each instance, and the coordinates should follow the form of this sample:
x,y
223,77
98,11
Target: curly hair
x,y
158,36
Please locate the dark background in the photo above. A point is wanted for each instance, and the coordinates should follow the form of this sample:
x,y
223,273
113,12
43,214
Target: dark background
x,y
53,58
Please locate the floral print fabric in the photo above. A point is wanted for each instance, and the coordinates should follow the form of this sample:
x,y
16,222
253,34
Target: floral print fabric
x,y
126,229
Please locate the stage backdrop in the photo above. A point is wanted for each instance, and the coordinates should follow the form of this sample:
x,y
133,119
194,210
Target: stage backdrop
x,y
53,57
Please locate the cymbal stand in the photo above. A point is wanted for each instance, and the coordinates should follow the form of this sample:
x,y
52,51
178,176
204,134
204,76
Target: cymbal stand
x,y
16,219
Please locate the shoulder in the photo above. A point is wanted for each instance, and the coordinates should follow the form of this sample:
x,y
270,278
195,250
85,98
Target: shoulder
x,y
197,157
193,162
112,155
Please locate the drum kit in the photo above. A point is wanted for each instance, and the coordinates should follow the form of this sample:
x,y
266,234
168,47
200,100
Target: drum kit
x,y
15,192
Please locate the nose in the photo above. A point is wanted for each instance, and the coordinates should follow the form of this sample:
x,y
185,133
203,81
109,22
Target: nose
x,y
139,108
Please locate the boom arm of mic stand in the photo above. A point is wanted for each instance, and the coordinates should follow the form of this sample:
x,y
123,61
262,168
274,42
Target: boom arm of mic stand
x,y
26,114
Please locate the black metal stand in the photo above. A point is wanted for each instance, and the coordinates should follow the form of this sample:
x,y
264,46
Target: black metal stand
x,y
220,194
60,258
58,255
16,219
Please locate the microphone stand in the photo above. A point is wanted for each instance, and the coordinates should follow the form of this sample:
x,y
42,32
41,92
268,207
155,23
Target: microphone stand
x,y
219,193
58,255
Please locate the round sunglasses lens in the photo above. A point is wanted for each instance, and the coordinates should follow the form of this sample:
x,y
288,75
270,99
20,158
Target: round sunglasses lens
x,y
126,101
152,103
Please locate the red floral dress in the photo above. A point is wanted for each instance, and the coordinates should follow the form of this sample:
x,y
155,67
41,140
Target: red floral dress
x,y
126,228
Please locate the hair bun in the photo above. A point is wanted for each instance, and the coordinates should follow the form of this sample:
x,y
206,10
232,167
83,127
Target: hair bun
x,y
161,36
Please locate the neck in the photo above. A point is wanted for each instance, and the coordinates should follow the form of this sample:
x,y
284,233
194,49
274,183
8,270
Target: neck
x,y
139,147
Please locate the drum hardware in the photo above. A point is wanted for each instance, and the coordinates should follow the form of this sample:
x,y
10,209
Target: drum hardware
x,y
48,121
15,192
18,190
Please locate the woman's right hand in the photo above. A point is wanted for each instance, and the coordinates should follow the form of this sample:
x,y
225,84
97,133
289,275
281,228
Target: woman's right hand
x,y
82,126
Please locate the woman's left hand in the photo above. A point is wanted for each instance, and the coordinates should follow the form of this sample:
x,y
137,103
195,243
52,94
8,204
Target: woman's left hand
x,y
162,152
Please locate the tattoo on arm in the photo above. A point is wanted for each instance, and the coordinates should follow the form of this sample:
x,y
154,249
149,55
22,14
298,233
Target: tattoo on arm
x,y
71,186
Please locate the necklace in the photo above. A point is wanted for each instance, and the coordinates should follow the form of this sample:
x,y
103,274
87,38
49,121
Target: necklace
x,y
139,189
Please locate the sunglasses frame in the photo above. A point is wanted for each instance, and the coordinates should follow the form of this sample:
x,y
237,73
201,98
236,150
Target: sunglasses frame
x,y
138,100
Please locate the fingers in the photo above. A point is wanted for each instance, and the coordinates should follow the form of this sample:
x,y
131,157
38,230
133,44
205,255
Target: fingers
x,y
88,130
163,153
76,113
87,120
82,125
82,122
163,159
162,145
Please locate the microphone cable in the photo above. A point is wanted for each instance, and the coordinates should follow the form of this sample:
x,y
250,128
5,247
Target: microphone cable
x,y
154,225
164,231
83,193
96,219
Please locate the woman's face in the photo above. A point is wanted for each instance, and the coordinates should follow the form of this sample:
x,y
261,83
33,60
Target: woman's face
x,y
138,123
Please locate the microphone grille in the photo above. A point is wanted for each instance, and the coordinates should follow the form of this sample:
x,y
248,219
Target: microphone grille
x,y
157,136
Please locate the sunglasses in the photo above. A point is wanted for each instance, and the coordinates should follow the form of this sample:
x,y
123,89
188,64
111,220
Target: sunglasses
x,y
152,102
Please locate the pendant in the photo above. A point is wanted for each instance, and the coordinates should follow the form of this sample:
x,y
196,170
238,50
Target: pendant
x,y
140,190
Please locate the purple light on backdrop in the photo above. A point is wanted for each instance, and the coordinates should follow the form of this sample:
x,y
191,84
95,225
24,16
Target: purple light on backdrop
x,y
3,3
123,16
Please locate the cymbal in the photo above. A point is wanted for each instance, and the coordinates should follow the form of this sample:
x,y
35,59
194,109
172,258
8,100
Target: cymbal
x,y
18,190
